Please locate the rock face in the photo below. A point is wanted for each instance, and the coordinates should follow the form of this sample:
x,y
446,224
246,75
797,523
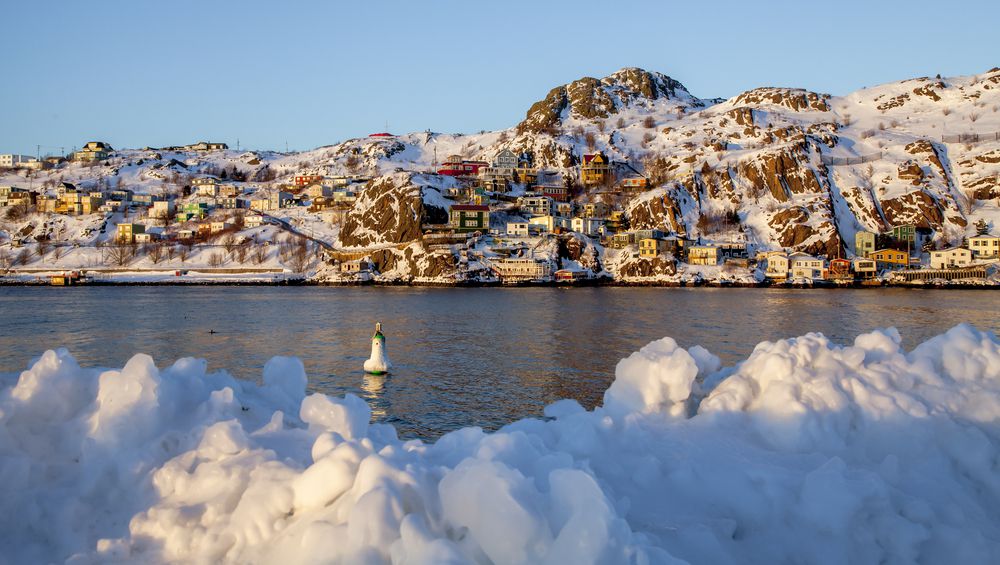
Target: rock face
x,y
390,209
589,98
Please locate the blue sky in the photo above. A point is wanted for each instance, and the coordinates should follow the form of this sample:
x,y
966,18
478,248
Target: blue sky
x,y
138,73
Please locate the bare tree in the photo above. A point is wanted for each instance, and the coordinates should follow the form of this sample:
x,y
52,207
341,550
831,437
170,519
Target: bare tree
x,y
229,242
171,252
118,253
241,252
42,247
22,257
155,252
620,123
649,122
590,140
216,259
57,252
259,254
299,256
5,260
184,251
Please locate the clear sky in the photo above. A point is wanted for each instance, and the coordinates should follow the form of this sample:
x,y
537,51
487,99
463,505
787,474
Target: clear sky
x,y
310,73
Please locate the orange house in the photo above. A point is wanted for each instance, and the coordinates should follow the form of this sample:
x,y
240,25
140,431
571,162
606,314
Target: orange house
x,y
890,259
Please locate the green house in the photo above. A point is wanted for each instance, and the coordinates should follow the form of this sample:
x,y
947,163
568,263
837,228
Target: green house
x,y
470,218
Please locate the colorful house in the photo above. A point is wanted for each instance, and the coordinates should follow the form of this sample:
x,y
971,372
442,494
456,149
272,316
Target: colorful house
x,y
127,232
596,169
470,218
651,247
891,259
93,151
455,166
864,243
703,255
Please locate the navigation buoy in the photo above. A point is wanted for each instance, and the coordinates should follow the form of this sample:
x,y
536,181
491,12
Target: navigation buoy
x,y
378,363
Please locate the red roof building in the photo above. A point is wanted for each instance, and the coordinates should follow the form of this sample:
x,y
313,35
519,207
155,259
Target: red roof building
x,y
462,168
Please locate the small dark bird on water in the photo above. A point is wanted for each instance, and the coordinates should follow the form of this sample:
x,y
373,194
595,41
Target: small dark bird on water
x,y
211,331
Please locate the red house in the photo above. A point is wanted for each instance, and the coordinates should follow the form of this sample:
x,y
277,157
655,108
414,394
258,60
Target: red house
x,y
381,134
305,180
557,193
462,168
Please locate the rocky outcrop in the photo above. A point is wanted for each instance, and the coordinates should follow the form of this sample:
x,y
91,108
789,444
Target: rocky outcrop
x,y
389,210
806,229
795,99
590,99
644,268
783,173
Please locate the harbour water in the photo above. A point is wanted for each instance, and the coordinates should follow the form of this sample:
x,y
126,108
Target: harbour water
x,y
461,356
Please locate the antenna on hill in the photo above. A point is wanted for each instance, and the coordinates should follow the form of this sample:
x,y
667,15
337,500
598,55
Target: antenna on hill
x,y
237,144
286,146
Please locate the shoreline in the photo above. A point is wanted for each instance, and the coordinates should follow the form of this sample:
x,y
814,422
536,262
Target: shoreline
x,y
196,281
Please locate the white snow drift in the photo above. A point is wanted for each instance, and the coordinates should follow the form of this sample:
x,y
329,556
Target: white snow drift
x,y
805,452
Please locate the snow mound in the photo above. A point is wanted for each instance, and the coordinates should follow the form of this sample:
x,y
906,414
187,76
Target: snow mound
x,y
807,451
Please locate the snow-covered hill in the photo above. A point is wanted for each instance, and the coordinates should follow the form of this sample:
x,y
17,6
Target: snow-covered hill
x,y
801,170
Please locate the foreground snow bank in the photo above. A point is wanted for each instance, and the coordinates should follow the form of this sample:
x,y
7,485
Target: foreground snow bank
x,y
805,452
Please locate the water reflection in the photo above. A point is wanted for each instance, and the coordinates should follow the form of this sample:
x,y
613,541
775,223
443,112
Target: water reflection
x,y
463,356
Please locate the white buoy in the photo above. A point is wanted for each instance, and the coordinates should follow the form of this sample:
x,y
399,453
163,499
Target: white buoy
x,y
378,363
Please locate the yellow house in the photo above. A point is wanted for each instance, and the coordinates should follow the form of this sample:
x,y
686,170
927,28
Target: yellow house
x,y
651,247
703,255
127,232
596,169
890,259
93,151
985,246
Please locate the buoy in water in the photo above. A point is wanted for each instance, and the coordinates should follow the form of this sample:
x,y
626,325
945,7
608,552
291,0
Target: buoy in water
x,y
378,363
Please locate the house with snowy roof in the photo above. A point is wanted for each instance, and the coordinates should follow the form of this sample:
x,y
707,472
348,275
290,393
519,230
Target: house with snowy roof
x,y
951,258
805,266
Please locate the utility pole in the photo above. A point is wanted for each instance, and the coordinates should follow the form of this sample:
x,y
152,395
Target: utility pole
x,y
237,144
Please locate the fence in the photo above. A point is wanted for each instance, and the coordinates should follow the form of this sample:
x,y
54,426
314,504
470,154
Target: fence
x,y
971,137
828,160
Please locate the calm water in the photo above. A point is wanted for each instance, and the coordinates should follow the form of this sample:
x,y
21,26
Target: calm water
x,y
483,357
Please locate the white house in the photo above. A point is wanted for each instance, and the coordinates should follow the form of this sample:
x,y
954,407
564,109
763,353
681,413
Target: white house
x,y
253,220
517,229
318,190
777,266
805,266
522,270
206,186
9,160
985,246
161,209
537,205
864,267
586,226
950,258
